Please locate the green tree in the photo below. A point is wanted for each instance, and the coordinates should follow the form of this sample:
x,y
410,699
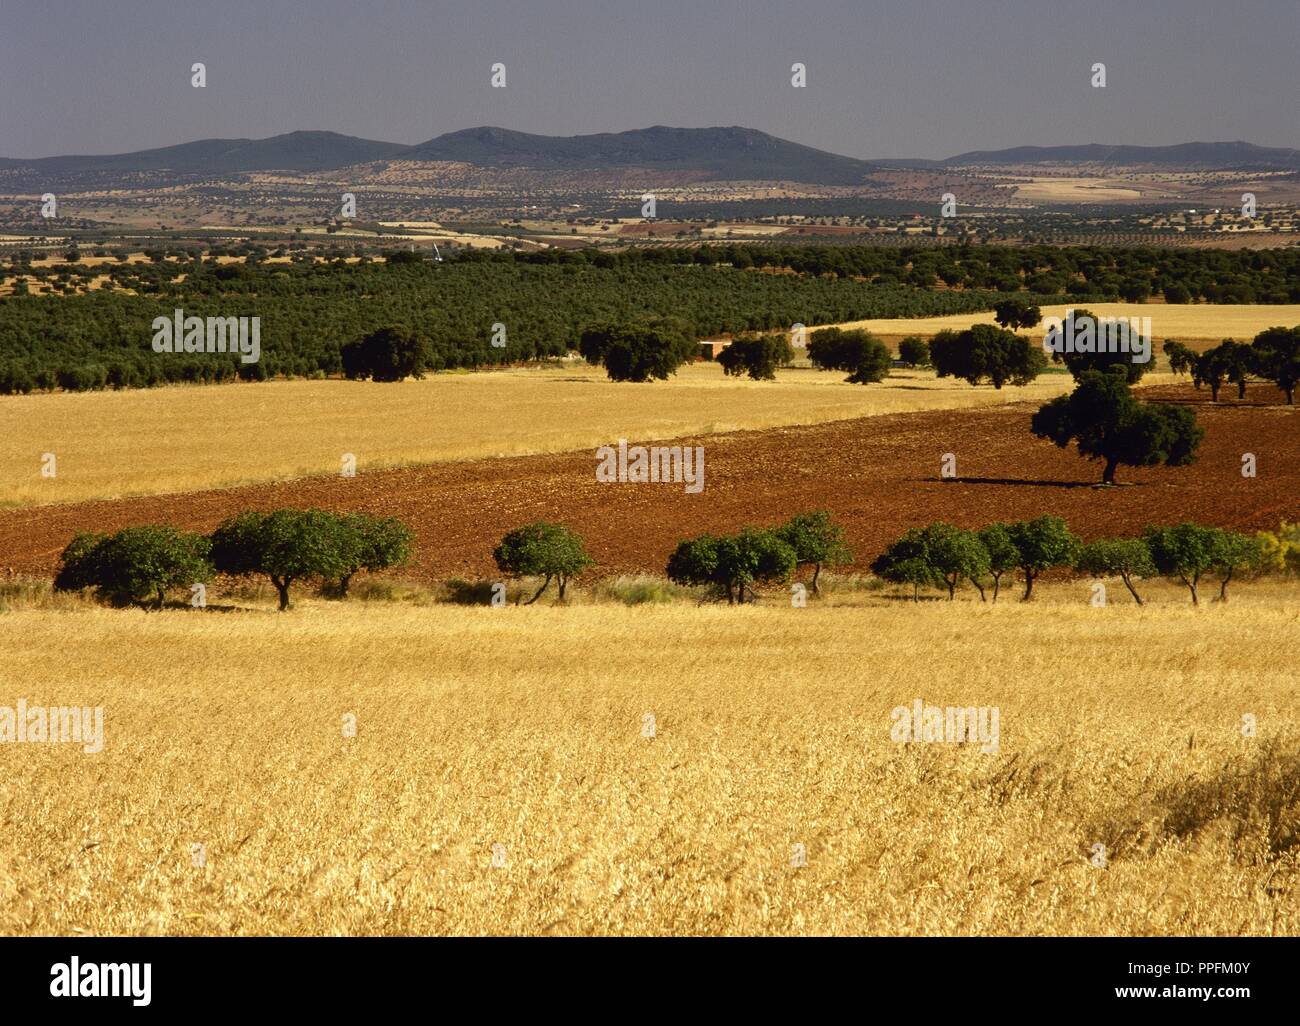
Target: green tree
x,y
638,352
1043,543
732,564
1003,554
1125,558
137,564
286,545
816,541
1181,358
914,351
1107,422
985,353
1228,361
393,353
757,356
1236,553
1016,313
1103,358
1277,358
694,563
907,561
543,549
77,569
860,353
1185,551
956,553
373,544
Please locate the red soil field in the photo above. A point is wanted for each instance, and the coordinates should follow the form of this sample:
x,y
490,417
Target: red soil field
x,y
879,476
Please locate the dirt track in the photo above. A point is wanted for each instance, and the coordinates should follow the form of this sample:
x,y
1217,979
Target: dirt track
x,y
878,475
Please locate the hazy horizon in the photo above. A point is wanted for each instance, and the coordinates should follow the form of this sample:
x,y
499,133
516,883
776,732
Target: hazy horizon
x,y
879,156
923,79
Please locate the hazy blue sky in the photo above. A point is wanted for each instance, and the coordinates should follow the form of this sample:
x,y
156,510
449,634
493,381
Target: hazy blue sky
x,y
894,78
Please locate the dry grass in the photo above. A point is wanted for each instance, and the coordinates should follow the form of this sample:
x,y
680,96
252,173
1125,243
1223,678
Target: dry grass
x,y
523,727
1199,322
114,444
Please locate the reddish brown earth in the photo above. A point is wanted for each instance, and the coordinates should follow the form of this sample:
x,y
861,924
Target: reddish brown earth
x,y
878,475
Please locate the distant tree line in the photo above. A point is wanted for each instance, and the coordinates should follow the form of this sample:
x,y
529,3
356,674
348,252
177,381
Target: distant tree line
x,y
1273,356
448,313
310,311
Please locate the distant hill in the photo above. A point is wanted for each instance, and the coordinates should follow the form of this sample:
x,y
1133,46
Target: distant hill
x,y
720,153
1197,154
294,151
723,153
734,153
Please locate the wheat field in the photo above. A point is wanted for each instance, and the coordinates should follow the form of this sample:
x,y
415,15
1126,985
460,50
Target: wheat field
x,y
500,780
1193,322
188,438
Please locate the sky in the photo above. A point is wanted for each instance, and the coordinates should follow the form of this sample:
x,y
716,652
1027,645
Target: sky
x,y
885,78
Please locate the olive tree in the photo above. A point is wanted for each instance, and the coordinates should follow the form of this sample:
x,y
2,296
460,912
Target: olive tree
x,y
816,541
732,564
543,549
286,545
1003,554
1185,551
1236,553
137,564
907,561
1125,558
1043,543
956,553
373,544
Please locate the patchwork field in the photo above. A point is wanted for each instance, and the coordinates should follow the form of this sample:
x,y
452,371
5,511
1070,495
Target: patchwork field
x,y
878,475
180,438
1186,323
228,800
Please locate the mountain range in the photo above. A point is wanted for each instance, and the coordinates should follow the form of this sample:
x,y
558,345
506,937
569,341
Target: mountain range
x,y
732,153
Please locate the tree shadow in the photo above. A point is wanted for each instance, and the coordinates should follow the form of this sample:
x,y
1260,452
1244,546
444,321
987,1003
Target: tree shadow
x,y
1022,481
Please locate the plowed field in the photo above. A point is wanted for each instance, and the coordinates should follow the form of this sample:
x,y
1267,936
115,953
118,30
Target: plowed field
x,y
879,476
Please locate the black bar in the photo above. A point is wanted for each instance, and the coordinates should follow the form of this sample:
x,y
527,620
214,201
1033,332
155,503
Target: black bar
x,y
494,976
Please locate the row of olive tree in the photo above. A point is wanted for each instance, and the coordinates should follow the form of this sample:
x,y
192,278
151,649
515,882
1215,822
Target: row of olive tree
x,y
141,564
732,565
941,555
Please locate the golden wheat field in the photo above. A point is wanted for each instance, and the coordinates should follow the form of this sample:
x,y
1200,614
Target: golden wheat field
x,y
1197,322
517,736
183,438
